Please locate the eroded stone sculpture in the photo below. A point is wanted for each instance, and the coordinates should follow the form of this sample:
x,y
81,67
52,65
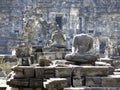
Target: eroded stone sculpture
x,y
82,49
58,39
23,52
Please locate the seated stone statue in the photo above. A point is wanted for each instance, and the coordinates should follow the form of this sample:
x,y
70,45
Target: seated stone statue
x,y
82,49
58,39
23,52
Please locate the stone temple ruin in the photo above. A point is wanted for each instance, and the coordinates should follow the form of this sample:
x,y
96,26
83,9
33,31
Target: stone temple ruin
x,y
61,44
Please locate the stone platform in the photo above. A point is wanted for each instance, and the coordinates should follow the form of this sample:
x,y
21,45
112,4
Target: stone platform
x,y
73,75
109,81
108,61
92,88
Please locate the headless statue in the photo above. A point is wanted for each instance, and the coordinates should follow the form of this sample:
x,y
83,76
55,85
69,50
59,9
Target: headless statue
x,y
58,38
23,52
82,49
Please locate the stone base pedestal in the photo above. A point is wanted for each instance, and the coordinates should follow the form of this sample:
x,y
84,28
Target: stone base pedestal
x,y
59,77
92,88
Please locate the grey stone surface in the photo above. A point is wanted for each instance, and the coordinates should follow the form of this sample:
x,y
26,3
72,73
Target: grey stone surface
x,y
58,39
116,63
93,70
29,72
50,55
93,81
44,72
82,49
93,15
77,81
18,82
36,83
107,60
23,71
44,62
74,75
92,88
18,68
63,71
55,84
110,81
58,55
23,50
113,81
62,62
18,75
100,63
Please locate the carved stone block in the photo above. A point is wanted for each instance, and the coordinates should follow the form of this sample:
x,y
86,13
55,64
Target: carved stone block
x,y
77,81
35,83
44,72
113,81
44,62
93,81
93,70
29,72
24,71
63,71
18,82
55,84
18,75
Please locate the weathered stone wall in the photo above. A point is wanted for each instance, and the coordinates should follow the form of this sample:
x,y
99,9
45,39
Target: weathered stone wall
x,y
98,16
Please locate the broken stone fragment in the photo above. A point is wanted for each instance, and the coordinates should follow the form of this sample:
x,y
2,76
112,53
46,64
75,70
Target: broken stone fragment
x,y
55,84
18,82
44,62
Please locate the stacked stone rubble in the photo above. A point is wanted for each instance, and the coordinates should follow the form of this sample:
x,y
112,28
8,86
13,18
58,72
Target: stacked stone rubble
x,y
108,61
33,78
59,78
94,80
